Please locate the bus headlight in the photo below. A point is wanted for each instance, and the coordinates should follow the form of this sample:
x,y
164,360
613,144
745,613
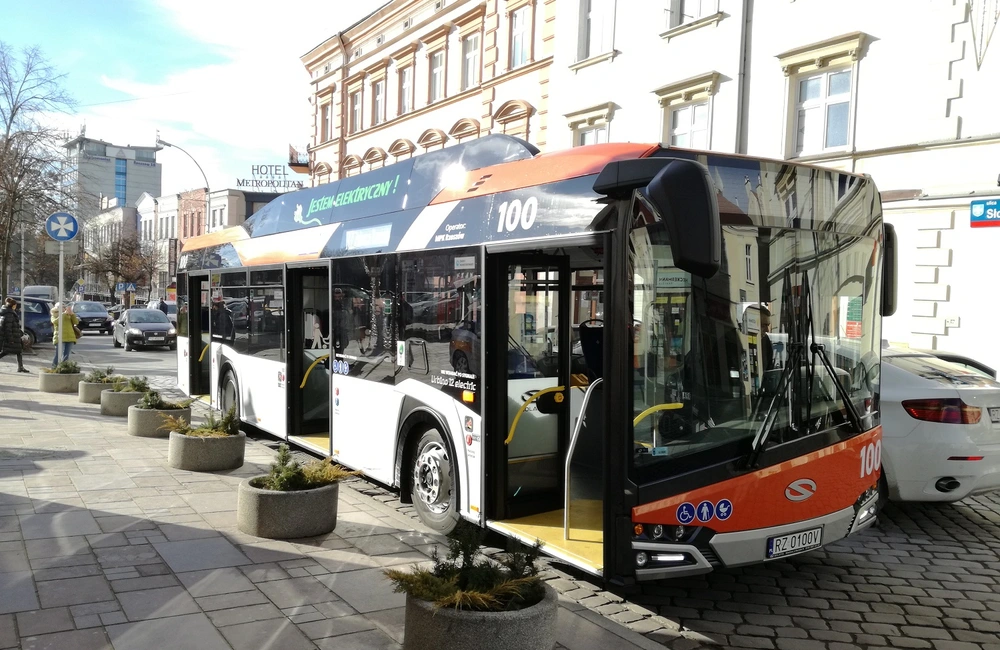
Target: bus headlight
x,y
657,531
641,558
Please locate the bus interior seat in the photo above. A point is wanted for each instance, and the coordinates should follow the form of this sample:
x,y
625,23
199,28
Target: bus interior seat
x,y
592,343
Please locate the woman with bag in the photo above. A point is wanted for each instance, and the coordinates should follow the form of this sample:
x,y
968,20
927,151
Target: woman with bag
x,y
11,333
71,333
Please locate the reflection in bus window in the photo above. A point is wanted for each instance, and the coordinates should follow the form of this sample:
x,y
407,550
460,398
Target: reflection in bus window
x,y
710,356
362,327
440,319
266,314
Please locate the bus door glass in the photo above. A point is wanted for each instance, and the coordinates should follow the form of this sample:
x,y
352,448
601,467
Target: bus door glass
x,y
537,382
309,355
195,306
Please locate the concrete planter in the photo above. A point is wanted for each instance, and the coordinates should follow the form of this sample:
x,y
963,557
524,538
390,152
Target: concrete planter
x,y
286,515
90,393
534,628
149,423
117,404
199,454
51,382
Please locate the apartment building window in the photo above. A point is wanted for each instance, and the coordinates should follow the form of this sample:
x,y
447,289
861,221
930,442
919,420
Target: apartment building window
x,y
592,135
689,126
822,111
597,28
682,12
437,77
520,37
121,171
356,111
406,90
470,61
326,132
378,102
748,257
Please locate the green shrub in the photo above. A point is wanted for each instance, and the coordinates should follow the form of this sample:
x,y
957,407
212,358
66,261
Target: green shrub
x,y
213,427
287,475
153,400
466,579
131,385
64,368
99,376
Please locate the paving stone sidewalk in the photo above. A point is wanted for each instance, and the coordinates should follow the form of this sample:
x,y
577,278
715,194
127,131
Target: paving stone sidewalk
x,y
102,545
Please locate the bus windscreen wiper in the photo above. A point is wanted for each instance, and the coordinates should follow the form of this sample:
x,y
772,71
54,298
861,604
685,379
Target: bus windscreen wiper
x,y
852,410
760,440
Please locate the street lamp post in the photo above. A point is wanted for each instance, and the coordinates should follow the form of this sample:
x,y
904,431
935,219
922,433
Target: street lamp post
x,y
208,192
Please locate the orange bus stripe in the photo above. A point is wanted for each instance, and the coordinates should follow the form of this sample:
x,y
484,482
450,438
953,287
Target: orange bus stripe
x,y
227,236
542,169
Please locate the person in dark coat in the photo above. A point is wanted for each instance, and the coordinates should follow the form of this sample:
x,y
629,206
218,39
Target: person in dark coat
x,y
11,333
163,307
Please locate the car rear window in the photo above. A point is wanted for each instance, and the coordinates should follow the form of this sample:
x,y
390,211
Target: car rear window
x,y
89,307
940,371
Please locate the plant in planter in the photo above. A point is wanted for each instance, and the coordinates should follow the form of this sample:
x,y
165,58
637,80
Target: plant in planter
x,y
61,379
94,382
123,393
146,420
292,500
468,600
216,445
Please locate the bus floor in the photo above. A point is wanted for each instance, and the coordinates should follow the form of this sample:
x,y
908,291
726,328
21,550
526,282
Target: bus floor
x,y
585,546
317,442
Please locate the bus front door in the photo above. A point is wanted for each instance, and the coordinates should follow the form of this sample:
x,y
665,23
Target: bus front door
x,y
308,335
193,335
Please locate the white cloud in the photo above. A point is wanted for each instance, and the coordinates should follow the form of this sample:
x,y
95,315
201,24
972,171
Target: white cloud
x,y
245,110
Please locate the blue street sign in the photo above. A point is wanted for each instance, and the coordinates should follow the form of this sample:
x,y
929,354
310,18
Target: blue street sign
x,y
984,214
62,226
125,287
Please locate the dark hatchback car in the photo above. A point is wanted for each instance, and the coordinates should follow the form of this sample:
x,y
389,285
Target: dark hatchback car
x,y
139,327
94,317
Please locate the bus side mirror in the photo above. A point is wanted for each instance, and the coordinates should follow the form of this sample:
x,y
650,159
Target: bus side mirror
x,y
684,195
889,272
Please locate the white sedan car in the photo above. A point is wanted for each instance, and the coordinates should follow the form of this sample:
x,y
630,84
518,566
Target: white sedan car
x,y
940,428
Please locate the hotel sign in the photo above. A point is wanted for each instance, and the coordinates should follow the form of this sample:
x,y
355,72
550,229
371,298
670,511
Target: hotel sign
x,y
269,177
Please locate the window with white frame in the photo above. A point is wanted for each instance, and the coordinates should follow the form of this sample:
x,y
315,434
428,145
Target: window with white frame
x,y
591,135
378,102
689,126
470,61
597,28
748,258
355,111
437,76
325,131
682,12
406,90
822,110
520,37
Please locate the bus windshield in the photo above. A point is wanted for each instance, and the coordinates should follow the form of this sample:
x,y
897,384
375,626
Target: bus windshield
x,y
714,359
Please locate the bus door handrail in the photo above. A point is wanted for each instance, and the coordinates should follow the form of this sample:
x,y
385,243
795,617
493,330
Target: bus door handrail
x,y
305,377
520,411
569,453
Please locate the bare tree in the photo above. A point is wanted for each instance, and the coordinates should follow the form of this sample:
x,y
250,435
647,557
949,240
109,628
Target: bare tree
x,y
123,260
30,158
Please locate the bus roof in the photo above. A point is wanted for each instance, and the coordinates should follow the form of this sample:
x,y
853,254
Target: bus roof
x,y
499,188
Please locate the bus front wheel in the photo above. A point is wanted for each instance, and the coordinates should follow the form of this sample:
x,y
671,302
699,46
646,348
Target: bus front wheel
x,y
229,393
433,485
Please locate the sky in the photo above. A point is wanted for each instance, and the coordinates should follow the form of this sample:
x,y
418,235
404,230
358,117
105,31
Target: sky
x,y
220,78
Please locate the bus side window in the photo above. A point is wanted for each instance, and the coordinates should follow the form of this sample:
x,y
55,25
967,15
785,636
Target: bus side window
x,y
362,326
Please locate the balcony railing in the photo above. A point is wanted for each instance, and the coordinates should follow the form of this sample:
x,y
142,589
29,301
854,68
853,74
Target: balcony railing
x,y
297,156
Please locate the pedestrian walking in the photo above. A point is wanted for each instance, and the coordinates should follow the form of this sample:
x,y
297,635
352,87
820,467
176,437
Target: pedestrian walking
x,y
11,335
163,306
70,331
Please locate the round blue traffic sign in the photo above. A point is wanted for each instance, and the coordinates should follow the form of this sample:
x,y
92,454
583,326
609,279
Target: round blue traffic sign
x,y
706,510
62,226
685,513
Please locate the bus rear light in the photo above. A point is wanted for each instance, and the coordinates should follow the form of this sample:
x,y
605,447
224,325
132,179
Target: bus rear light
x,y
945,411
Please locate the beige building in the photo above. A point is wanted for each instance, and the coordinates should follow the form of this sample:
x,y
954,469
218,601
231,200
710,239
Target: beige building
x,y
420,75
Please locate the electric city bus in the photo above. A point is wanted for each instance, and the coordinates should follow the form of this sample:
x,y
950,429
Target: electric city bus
x,y
656,361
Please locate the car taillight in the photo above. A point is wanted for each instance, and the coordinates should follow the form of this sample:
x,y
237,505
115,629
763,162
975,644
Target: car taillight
x,y
946,411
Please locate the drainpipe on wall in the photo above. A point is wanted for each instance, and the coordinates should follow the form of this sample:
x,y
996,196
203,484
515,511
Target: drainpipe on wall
x,y
742,80
341,147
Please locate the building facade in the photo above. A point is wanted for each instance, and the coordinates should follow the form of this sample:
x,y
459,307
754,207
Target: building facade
x,y
94,169
416,76
114,223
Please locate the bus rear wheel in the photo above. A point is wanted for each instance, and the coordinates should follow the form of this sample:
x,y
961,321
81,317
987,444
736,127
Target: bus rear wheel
x,y
433,485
